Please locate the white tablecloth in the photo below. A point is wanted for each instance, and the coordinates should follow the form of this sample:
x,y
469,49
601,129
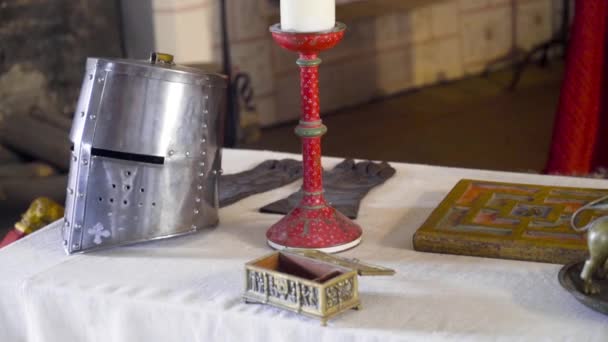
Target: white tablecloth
x,y
189,288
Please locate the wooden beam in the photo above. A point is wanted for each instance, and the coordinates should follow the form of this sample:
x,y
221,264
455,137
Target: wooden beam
x,y
8,156
26,170
56,120
38,139
19,193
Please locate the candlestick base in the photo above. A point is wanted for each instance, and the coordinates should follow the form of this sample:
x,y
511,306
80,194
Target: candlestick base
x,y
324,229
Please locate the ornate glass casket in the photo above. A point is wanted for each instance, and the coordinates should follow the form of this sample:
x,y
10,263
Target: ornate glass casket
x,y
308,282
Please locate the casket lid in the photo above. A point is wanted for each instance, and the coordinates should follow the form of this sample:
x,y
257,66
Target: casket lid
x,y
363,269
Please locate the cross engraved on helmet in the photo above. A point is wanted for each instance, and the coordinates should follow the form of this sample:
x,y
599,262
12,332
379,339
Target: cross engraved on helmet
x,y
99,231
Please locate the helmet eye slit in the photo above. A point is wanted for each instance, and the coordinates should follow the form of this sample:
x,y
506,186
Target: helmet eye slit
x,y
140,158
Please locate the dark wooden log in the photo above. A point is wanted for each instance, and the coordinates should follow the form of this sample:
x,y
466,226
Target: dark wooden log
x,y
54,119
19,193
26,170
8,156
37,139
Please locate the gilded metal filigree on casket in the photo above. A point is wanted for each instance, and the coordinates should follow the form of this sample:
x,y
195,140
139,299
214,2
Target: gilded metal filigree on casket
x,y
308,282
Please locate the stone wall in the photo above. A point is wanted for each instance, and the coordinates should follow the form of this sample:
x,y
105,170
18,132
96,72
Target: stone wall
x,y
47,41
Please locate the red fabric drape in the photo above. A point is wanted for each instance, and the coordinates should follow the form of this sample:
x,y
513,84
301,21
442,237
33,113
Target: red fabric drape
x,y
580,136
11,237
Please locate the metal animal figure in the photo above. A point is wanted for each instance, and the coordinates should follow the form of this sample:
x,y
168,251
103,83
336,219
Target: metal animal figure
x,y
597,241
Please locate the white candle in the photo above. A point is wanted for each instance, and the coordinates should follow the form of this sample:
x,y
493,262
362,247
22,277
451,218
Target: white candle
x,y
308,15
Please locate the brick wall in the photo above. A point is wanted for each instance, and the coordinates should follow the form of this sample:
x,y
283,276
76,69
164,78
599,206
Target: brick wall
x,y
379,56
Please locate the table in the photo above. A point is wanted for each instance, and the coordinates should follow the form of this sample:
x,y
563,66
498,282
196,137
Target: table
x,y
189,288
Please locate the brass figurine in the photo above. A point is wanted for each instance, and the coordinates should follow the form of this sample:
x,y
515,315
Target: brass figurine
x,y
597,242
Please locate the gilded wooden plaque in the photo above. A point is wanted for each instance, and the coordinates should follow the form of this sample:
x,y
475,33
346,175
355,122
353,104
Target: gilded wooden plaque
x,y
509,221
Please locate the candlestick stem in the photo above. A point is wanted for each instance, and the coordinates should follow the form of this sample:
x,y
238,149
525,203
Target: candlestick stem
x,y
311,128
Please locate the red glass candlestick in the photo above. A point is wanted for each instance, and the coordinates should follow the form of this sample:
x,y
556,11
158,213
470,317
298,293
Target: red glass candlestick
x,y
313,224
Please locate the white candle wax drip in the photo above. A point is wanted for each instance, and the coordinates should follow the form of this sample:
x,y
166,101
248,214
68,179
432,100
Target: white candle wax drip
x,y
308,15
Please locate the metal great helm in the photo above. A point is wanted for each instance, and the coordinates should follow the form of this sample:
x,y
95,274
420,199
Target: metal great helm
x,y
146,153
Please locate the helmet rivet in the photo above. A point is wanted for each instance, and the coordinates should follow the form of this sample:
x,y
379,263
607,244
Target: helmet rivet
x,y
197,200
171,152
195,211
93,117
187,154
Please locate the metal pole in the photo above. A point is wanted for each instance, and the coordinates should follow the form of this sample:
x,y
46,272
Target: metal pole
x,y
232,109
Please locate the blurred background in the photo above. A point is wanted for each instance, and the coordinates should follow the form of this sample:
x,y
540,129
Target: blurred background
x,y
467,83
